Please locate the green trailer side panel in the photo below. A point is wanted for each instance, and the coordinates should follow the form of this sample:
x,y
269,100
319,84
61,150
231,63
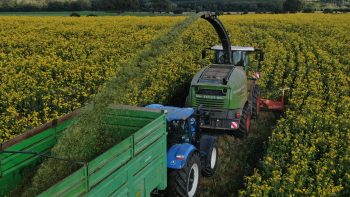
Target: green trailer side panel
x,y
25,144
110,161
14,166
10,163
151,162
122,192
117,181
146,157
140,176
98,169
150,175
64,125
73,185
146,130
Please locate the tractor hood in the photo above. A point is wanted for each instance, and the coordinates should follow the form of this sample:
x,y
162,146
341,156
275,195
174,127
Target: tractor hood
x,y
173,113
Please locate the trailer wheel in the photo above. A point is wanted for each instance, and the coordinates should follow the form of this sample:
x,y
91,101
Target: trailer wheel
x,y
244,123
255,102
185,182
210,168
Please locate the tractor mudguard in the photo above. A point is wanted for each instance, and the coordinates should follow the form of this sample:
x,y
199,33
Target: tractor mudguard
x,y
206,144
178,155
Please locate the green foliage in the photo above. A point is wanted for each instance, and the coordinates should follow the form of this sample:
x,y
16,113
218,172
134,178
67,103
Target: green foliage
x,y
117,5
160,5
293,5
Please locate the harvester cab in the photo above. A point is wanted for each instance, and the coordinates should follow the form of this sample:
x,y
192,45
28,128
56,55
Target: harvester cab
x,y
241,56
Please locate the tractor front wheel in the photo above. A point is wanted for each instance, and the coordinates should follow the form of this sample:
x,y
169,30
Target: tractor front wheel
x,y
185,182
212,159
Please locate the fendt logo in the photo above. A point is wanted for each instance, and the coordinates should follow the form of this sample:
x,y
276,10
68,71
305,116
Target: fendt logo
x,y
210,97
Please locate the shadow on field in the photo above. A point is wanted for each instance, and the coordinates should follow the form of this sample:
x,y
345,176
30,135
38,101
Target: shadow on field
x,y
238,158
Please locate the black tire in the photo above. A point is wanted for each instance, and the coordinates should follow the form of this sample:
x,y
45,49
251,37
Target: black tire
x,y
179,181
244,126
255,102
211,163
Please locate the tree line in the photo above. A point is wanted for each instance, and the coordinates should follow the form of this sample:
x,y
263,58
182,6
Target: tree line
x,y
177,6
79,5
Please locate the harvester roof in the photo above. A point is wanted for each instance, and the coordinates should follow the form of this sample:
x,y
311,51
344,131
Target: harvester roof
x,y
216,74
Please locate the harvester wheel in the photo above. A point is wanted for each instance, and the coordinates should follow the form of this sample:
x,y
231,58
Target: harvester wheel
x,y
244,123
255,102
185,182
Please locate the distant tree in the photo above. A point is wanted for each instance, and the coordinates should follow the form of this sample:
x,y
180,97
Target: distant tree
x,y
118,5
84,4
161,5
293,5
8,4
54,5
178,11
173,6
103,4
133,5
308,10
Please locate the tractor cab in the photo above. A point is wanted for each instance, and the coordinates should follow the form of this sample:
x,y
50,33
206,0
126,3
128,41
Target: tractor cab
x,y
181,124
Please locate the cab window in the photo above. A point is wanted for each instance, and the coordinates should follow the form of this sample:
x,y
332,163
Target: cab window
x,y
219,57
245,58
237,57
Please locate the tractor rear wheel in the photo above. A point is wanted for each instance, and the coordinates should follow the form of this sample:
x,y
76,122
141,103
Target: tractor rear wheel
x,y
185,182
255,102
244,123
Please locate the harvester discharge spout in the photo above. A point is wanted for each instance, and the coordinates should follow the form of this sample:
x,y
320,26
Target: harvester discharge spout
x,y
224,36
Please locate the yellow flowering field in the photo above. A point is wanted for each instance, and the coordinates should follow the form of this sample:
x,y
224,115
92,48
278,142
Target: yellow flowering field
x,y
50,66
308,153
53,65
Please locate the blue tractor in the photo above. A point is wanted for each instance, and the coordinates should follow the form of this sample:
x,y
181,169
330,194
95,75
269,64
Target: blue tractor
x,y
190,154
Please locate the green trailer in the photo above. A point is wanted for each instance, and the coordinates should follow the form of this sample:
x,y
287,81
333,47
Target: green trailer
x,y
134,167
